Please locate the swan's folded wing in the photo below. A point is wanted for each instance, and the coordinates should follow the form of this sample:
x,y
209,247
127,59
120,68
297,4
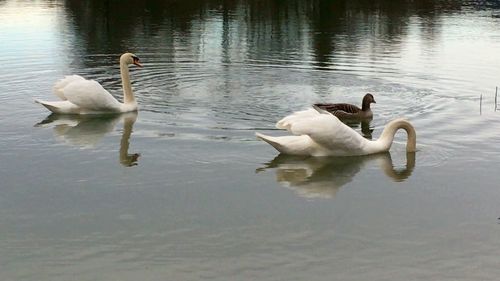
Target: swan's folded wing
x,y
296,117
58,87
328,131
90,95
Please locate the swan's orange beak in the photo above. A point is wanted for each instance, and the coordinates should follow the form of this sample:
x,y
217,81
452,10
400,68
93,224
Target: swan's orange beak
x,y
136,62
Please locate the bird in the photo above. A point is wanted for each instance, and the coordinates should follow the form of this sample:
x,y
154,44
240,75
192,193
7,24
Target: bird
x,y
320,133
350,111
81,96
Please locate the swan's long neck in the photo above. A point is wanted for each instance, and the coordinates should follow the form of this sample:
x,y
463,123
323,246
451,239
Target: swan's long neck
x,y
128,95
387,136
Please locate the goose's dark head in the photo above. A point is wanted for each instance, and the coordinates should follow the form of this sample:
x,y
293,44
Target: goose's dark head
x,y
367,100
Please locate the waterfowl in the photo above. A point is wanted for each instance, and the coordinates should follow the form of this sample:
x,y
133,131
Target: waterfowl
x,y
323,134
81,96
350,111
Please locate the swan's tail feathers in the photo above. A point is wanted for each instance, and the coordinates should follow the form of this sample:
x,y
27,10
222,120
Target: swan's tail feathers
x,y
293,145
270,140
48,105
61,107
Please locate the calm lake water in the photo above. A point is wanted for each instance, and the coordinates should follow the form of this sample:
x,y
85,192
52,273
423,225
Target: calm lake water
x,y
182,190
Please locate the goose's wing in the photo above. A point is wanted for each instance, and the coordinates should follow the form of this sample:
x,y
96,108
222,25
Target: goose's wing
x,y
345,107
326,130
341,110
90,95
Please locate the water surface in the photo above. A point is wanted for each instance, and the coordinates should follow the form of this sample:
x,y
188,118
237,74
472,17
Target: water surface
x,y
182,190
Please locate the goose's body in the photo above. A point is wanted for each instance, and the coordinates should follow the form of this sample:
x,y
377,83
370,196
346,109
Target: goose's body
x,y
81,96
350,111
323,134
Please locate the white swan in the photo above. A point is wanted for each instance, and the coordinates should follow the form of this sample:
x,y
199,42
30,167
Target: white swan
x,y
319,133
81,96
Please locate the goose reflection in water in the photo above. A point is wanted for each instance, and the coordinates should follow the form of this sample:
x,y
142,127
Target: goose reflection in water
x,y
366,130
321,177
86,131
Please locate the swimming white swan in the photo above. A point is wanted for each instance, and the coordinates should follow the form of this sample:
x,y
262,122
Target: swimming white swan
x,y
322,134
81,96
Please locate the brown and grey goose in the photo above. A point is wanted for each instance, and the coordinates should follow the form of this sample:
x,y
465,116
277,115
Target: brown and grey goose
x,y
350,111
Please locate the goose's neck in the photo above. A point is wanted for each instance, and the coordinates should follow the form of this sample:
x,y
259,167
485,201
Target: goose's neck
x,y
387,136
365,104
128,95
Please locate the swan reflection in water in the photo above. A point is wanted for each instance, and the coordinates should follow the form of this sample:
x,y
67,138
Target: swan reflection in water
x,y
321,177
86,131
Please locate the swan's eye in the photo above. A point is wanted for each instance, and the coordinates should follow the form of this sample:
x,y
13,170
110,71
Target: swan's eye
x,y
135,58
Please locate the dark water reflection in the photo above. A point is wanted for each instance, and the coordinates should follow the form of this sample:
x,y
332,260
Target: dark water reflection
x,y
192,207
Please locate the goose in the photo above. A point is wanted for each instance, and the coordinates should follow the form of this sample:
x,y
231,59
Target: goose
x,y
320,133
81,96
350,111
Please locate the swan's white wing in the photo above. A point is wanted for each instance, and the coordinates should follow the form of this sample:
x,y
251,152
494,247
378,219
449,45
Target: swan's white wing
x,y
58,87
90,95
295,117
329,132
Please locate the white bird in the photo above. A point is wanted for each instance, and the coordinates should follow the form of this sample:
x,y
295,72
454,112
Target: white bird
x,y
81,96
319,133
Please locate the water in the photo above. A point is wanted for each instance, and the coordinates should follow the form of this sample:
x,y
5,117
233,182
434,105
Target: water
x,y
182,190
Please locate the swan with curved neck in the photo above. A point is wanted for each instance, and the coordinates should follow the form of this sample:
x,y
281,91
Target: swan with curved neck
x,y
323,134
81,96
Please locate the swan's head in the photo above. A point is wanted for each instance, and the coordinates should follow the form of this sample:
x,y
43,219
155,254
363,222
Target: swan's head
x,y
129,58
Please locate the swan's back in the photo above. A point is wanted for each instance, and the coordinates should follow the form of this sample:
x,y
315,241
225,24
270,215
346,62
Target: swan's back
x,y
58,88
90,95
